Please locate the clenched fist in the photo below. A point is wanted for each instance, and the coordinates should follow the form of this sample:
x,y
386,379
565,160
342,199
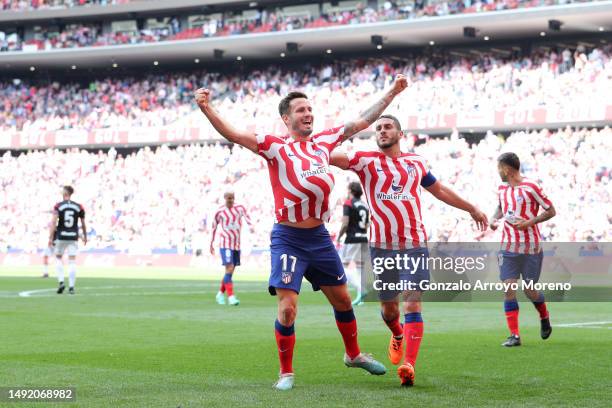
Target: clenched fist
x,y
202,97
399,84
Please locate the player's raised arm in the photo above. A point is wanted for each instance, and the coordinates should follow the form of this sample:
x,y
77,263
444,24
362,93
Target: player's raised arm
x,y
369,116
339,160
224,127
445,194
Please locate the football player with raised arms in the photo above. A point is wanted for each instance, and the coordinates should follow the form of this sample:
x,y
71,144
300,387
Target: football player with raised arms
x,y
392,182
301,246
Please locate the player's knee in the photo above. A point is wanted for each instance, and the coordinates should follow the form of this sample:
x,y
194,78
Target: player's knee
x,y
532,294
412,307
287,313
510,294
229,268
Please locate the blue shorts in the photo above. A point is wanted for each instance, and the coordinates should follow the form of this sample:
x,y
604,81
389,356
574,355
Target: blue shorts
x,y
230,256
412,268
303,252
514,266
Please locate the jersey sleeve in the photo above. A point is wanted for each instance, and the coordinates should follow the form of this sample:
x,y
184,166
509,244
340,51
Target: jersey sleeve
x,y
330,138
81,212
539,195
428,179
355,161
267,145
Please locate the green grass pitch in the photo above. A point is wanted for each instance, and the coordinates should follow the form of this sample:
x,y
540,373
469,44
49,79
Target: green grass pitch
x,y
166,343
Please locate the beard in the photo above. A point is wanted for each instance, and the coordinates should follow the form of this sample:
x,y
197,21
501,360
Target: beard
x,y
302,132
385,145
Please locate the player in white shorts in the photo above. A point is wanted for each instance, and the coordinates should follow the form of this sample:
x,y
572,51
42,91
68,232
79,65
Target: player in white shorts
x,y
64,234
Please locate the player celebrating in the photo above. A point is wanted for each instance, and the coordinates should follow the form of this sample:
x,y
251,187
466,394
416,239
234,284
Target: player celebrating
x,y
229,217
64,234
391,180
519,201
355,219
298,165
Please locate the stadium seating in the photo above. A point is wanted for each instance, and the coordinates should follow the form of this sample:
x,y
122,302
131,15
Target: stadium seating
x,y
153,198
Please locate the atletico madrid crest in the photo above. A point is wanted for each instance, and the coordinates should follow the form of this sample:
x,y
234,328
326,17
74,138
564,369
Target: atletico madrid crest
x,y
286,277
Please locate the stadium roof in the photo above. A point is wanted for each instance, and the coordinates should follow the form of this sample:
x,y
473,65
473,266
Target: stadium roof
x,y
502,25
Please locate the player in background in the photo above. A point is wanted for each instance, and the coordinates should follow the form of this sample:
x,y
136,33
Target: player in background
x,y
229,217
392,180
64,235
519,201
301,246
47,253
355,219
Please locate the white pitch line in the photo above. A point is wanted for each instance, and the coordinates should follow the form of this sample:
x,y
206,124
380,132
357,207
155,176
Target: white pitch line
x,y
203,285
590,325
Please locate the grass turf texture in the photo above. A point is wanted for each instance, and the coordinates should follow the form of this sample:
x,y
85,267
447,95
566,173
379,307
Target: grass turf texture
x,y
166,343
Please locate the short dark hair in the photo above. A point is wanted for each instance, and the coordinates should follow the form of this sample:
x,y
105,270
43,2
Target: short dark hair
x,y
394,119
355,189
510,159
283,106
69,190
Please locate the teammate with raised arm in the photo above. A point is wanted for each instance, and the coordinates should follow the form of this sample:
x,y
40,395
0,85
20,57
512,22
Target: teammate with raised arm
x,y
301,246
391,180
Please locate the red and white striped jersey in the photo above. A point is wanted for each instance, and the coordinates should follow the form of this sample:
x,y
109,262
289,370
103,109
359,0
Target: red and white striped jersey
x,y
230,220
521,202
392,188
300,175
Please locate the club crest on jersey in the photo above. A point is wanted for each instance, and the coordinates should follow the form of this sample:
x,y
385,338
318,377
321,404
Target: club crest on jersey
x,y
286,277
318,158
520,199
411,169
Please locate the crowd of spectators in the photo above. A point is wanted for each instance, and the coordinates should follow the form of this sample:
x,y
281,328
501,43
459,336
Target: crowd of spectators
x,y
262,20
29,5
545,78
165,198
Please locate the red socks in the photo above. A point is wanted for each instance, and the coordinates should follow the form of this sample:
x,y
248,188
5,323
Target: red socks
x,y
413,333
285,341
394,326
540,305
222,288
511,308
229,287
347,325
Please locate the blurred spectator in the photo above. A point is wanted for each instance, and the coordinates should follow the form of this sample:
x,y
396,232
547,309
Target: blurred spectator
x,y
165,198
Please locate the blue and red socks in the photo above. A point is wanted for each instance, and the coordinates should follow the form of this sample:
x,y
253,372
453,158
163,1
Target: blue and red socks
x,y
540,306
394,325
285,341
413,333
227,284
347,325
511,308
